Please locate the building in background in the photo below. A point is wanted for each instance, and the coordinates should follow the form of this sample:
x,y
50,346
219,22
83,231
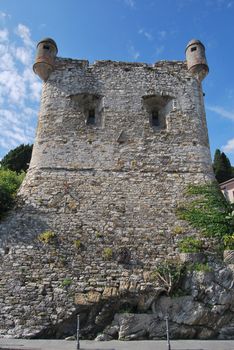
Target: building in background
x,y
227,187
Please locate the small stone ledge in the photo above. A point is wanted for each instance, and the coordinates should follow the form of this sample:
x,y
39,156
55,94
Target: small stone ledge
x,y
228,257
192,257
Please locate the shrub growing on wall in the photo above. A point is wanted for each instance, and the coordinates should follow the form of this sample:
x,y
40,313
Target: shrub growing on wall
x,y
9,184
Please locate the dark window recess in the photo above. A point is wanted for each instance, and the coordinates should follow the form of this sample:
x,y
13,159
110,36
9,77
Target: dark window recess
x,y
155,118
46,47
91,117
193,48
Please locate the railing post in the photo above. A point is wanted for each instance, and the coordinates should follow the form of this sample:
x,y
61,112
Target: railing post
x,y
78,332
168,335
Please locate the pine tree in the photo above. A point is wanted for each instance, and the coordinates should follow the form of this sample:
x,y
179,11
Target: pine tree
x,y
222,167
17,159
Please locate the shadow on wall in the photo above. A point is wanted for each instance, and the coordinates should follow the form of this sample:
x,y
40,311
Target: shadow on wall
x,y
22,225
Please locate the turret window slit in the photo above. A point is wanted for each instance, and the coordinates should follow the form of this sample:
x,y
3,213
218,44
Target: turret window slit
x,y
155,118
91,117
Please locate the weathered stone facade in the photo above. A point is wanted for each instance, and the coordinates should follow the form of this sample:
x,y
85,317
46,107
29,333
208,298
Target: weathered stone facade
x,y
122,175
117,143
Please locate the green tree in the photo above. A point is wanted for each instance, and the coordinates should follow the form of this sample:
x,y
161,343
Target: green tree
x,y
10,181
222,167
17,159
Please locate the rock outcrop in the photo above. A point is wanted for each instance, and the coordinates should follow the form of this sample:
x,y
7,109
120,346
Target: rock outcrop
x,y
205,311
41,296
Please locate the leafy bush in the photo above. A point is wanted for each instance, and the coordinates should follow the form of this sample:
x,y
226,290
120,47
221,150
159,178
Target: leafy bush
x,y
207,209
6,200
10,181
9,184
228,241
199,267
230,215
168,275
190,245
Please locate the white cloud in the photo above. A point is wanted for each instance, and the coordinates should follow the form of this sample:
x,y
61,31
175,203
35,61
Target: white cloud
x,y
42,26
159,50
130,3
19,88
133,52
6,62
28,111
3,35
162,34
220,3
222,112
5,144
18,84
12,129
145,33
3,16
35,90
12,87
229,147
34,85
230,93
24,33
23,55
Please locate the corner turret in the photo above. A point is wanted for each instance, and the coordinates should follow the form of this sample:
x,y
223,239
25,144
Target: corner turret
x,y
196,59
45,58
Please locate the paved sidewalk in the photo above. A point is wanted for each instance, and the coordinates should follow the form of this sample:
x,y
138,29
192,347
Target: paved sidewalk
x,y
21,344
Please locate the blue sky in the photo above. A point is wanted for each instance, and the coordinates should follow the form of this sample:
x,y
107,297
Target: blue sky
x,y
122,30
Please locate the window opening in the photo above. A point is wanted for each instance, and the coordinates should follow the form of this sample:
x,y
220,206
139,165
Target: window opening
x,y
91,117
46,47
174,105
155,118
193,48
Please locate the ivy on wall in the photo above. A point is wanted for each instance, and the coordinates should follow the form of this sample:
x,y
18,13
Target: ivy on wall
x,y
206,209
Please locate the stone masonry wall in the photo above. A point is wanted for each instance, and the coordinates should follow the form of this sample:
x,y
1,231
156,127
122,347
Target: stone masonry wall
x,y
122,173
114,185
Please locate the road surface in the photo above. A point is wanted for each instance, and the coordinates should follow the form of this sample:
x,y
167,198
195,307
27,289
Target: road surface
x,y
21,344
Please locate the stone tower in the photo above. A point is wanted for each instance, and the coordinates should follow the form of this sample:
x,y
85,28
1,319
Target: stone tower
x,y
116,145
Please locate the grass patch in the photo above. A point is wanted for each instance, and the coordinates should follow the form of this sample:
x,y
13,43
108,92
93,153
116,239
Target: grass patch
x,y
107,254
47,237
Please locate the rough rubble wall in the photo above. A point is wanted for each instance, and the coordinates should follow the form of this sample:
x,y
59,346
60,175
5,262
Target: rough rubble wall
x,y
114,185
